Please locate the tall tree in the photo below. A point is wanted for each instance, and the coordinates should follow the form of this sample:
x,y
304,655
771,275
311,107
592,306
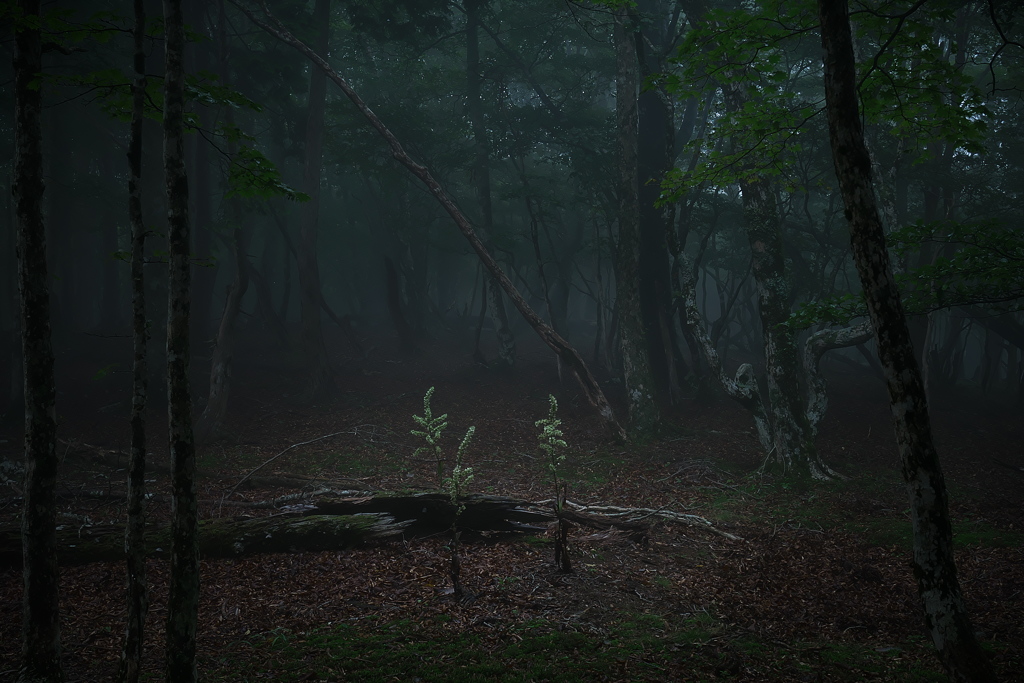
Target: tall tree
x,y
41,609
183,601
945,614
318,370
482,174
135,529
636,365
210,423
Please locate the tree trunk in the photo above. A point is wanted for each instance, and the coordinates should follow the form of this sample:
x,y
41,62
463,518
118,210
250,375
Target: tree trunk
x,y
569,355
41,611
793,447
636,363
945,614
183,601
204,270
318,371
482,176
135,529
210,424
655,150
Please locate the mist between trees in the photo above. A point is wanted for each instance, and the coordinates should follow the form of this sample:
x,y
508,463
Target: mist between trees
x,y
650,188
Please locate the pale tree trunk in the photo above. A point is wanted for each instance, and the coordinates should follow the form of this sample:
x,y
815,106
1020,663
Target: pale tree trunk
x,y
814,348
482,176
793,447
183,601
636,365
135,530
742,388
568,355
945,613
318,370
40,607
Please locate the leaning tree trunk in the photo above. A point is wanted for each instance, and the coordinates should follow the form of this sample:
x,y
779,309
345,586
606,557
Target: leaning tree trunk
x,y
569,355
183,601
636,363
135,529
40,606
945,613
318,370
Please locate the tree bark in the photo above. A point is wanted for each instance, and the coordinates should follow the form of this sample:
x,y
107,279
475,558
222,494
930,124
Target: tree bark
x,y
569,355
41,609
651,41
318,371
945,613
183,601
135,529
636,363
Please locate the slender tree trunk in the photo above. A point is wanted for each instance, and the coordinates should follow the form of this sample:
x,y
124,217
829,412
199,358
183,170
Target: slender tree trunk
x,y
945,614
183,601
40,606
204,270
211,422
135,529
482,176
318,370
636,363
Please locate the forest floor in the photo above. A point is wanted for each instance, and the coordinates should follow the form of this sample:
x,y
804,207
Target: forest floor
x,y
818,589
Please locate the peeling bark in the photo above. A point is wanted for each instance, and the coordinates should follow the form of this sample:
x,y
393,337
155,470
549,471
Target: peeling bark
x,y
946,616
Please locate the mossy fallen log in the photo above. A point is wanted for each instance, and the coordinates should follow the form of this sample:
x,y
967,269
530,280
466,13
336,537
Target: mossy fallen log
x,y
222,537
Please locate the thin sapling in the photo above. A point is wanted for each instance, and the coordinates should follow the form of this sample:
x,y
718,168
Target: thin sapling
x,y
553,446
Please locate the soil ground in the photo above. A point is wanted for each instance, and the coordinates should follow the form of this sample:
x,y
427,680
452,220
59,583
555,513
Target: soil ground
x,y
818,589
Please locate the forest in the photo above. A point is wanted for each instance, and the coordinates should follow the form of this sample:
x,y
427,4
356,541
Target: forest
x,y
480,340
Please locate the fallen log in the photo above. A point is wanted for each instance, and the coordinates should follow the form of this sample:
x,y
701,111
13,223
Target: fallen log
x,y
224,537
433,511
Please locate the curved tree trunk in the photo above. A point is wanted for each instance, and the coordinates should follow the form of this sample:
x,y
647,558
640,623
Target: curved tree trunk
x,y
135,529
945,614
183,602
41,613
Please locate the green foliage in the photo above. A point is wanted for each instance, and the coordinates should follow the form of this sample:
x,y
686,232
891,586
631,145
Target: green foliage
x,y
977,263
550,437
431,432
252,175
461,476
764,59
